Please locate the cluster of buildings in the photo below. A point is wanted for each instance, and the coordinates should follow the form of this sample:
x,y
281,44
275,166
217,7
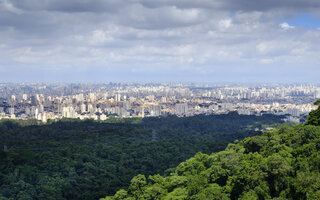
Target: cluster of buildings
x,y
101,101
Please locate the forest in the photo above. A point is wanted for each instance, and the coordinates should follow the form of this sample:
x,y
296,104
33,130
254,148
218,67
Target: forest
x,y
283,163
74,159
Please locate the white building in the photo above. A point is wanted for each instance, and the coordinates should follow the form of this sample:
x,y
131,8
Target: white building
x,y
181,109
103,117
83,108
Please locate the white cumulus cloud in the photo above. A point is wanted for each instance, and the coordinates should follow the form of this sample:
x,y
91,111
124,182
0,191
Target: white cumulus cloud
x,y
225,24
285,26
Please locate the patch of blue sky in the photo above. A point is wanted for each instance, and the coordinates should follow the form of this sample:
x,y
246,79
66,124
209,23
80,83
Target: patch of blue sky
x,y
304,21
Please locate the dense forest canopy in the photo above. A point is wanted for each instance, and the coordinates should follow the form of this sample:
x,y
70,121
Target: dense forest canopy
x,y
280,164
74,159
314,116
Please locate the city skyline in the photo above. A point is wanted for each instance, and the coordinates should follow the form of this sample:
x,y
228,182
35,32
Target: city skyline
x,y
160,41
102,101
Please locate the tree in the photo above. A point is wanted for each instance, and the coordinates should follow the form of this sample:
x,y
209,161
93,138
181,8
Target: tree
x,y
137,183
314,116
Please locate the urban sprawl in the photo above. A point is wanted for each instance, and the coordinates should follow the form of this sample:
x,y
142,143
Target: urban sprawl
x,y
101,101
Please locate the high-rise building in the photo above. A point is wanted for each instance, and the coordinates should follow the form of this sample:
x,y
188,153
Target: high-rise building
x,y
91,109
83,108
126,105
44,117
68,112
34,100
91,97
27,110
41,108
123,113
36,112
293,112
163,99
13,98
24,97
318,94
141,112
11,111
181,109
118,97
155,110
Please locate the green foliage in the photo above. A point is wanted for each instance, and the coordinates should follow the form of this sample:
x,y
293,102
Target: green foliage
x,y
74,159
280,164
314,116
317,103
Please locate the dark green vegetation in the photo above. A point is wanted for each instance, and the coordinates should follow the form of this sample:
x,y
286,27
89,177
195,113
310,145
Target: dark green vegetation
x,y
314,116
73,159
279,164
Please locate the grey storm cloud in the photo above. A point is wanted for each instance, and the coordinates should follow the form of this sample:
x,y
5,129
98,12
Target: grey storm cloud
x,y
70,6
145,14
114,5
156,37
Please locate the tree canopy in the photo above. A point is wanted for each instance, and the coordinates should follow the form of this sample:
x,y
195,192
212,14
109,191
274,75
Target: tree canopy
x,y
74,159
314,116
280,164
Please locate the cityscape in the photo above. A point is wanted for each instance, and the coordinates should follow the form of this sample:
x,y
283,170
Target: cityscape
x,y
45,102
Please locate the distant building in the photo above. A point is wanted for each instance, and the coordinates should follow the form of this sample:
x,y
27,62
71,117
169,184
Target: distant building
x,y
103,117
181,109
34,101
13,98
155,111
11,111
83,108
91,108
91,97
317,94
226,106
24,97
163,99
118,97
293,112
68,112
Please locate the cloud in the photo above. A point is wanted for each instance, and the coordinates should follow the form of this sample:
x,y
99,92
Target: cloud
x,y
267,60
100,36
171,36
225,24
285,26
6,5
72,6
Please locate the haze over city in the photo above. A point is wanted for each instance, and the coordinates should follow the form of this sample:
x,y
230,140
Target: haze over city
x,y
159,41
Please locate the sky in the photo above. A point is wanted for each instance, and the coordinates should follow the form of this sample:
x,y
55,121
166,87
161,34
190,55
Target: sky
x,y
160,41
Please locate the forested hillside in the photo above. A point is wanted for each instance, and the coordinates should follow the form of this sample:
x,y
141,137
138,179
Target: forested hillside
x,y
279,164
73,159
